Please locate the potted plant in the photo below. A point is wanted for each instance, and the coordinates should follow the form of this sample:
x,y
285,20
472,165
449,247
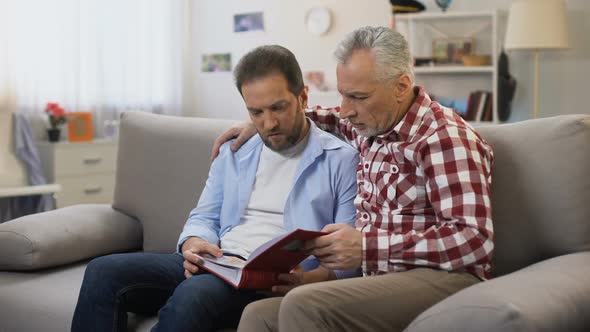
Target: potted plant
x,y
57,117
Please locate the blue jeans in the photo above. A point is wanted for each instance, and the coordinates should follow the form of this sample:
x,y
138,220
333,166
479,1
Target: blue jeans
x,y
148,283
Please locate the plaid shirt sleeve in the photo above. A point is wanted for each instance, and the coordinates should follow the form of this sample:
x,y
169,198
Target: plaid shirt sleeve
x,y
328,119
454,165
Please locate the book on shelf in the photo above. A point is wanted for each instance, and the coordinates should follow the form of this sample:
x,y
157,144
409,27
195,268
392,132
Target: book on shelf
x,y
260,271
488,110
479,106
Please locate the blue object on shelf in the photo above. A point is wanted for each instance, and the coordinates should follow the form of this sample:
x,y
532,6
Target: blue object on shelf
x,y
443,4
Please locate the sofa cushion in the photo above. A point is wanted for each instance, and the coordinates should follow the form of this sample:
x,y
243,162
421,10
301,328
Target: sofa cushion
x,y
40,300
66,235
162,165
540,189
552,295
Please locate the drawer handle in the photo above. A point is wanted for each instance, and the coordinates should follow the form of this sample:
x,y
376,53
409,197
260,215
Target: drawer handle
x,y
92,160
93,190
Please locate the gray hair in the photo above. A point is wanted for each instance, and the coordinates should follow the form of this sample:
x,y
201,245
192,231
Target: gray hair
x,y
392,54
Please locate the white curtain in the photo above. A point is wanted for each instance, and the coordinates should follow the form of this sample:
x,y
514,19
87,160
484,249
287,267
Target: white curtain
x,y
103,56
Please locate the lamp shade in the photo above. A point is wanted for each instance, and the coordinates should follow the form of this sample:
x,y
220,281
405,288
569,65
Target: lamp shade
x,y
537,24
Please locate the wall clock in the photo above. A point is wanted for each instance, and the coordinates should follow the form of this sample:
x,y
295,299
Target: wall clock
x,y
318,20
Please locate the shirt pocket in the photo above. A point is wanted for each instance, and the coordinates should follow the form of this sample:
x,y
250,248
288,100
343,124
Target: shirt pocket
x,y
397,184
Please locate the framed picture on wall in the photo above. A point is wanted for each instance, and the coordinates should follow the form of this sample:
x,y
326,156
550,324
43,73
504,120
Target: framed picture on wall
x,y
248,22
216,62
451,50
80,127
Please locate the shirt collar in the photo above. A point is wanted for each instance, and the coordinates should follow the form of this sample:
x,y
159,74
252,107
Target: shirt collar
x,y
411,120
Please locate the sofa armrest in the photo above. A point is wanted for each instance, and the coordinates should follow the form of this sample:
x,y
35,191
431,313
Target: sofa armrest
x,y
552,295
66,235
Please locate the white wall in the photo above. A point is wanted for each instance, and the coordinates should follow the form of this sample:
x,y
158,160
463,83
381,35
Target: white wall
x,y
563,74
215,95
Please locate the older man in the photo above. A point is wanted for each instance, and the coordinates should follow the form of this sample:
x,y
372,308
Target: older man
x,y
250,197
423,226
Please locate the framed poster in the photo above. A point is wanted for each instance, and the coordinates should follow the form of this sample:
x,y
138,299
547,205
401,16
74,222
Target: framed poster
x,y
80,127
248,22
216,62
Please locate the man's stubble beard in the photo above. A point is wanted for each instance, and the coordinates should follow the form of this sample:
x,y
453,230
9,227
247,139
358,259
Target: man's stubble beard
x,y
293,138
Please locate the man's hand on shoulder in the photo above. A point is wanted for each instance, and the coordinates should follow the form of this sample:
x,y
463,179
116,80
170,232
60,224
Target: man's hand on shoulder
x,y
339,250
193,247
242,132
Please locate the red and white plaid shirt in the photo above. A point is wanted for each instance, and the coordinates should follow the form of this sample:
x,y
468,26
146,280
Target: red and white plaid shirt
x,y
423,195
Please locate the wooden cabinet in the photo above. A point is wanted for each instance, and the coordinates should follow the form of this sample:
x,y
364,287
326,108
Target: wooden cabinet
x,y
85,171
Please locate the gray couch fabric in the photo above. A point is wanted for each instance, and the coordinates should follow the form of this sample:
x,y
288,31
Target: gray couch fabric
x,y
540,189
162,166
541,209
540,202
532,299
65,236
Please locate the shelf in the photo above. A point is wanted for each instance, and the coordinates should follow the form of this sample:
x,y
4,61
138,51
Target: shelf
x,y
453,69
454,81
449,15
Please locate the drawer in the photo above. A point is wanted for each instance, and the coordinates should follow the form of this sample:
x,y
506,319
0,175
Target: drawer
x,y
96,188
78,159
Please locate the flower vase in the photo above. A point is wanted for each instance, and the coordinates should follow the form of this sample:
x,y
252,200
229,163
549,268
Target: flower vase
x,y
53,134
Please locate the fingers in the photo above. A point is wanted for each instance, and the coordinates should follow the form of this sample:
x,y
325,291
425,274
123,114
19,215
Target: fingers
x,y
245,134
282,289
326,240
187,274
291,278
199,248
291,281
319,242
190,267
330,228
211,249
190,256
231,133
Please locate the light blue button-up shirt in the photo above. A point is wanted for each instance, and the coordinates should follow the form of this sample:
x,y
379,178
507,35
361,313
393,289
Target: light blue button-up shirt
x,y
323,192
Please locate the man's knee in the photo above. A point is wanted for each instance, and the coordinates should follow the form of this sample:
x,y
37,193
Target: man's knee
x,y
101,270
200,291
301,301
260,315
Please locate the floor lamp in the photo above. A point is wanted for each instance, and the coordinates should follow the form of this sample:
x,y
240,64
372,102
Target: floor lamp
x,y
537,25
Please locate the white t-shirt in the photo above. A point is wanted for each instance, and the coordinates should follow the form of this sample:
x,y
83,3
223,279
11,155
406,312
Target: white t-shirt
x,y
263,218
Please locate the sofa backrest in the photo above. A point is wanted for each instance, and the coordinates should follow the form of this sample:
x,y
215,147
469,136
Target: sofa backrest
x,y
162,165
540,189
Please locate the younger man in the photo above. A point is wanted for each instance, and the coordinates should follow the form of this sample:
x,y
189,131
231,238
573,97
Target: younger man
x,y
291,175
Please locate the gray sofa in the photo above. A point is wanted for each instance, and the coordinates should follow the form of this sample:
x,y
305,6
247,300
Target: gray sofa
x,y
541,202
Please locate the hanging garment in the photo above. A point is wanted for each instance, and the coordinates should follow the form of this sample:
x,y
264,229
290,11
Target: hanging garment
x,y
506,87
26,150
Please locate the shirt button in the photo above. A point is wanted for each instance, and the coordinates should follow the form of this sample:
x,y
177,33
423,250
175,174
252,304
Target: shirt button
x,y
365,216
394,169
379,141
366,165
365,195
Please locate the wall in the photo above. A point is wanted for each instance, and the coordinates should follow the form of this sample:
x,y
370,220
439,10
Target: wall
x,y
563,74
215,95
